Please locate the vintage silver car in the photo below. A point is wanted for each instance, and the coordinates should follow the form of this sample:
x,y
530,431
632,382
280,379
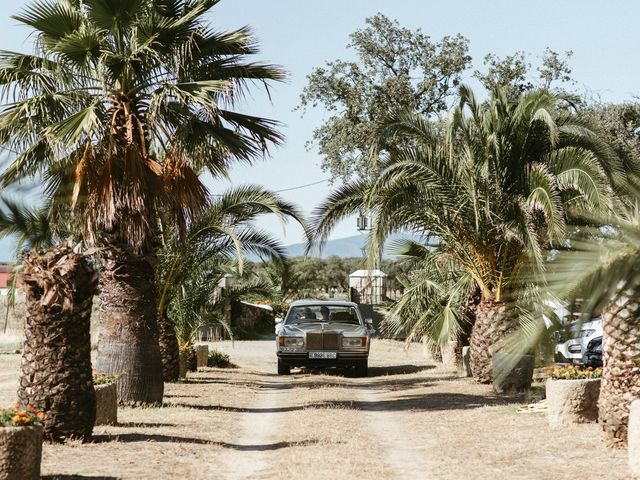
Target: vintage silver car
x,y
317,333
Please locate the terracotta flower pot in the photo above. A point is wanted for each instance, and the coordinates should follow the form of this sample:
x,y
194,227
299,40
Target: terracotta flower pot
x,y
572,401
202,356
107,404
20,452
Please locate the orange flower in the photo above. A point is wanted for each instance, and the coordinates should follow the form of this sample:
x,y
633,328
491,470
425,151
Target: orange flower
x,y
41,416
17,419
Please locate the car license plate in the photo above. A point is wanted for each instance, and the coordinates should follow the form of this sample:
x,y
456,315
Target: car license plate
x,y
327,355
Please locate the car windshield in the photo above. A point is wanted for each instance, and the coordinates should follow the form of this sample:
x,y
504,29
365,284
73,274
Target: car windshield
x,y
323,313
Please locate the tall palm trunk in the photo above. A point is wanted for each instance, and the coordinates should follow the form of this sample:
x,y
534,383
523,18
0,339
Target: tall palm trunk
x,y
169,348
493,323
621,356
128,341
56,378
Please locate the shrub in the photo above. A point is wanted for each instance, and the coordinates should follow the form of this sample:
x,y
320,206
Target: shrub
x,y
17,417
219,360
101,379
573,372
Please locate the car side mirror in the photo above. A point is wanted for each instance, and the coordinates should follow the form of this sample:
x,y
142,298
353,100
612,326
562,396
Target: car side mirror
x,y
368,321
279,320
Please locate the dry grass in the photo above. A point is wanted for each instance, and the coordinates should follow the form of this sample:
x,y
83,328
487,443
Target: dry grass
x,y
407,420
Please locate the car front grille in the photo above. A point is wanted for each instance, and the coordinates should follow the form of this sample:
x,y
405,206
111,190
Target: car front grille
x,y
323,341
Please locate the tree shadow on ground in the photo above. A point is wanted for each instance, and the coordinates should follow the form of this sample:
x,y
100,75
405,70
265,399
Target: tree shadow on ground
x,y
143,425
223,408
76,477
142,437
424,402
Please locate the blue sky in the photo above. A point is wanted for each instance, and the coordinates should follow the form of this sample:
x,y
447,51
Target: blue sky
x,y
301,35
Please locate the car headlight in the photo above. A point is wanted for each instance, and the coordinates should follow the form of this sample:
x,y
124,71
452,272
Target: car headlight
x,y
354,342
291,342
587,332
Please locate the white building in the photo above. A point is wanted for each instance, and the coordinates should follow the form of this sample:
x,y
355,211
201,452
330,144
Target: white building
x,y
368,286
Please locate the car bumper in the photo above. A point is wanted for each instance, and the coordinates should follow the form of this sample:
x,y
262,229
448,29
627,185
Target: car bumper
x,y
303,360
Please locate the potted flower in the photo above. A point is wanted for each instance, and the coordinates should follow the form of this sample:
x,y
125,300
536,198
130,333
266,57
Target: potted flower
x,y
572,395
106,387
21,442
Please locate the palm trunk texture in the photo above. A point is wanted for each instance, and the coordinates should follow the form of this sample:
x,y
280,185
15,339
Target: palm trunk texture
x,y
493,323
56,375
169,349
621,372
128,341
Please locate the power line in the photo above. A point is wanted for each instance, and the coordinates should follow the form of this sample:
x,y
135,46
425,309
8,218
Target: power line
x,y
302,186
285,189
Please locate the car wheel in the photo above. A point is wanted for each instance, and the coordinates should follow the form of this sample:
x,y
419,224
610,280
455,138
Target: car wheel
x,y
362,369
283,368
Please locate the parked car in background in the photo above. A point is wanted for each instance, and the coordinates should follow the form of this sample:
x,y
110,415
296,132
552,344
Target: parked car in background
x,y
317,333
593,354
572,349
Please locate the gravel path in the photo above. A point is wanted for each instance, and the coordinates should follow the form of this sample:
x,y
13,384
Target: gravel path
x,y
408,419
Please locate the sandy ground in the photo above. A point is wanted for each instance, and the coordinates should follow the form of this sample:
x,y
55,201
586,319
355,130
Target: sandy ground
x,y
408,419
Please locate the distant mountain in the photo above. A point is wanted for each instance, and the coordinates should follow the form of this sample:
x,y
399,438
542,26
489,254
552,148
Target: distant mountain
x,y
344,247
340,247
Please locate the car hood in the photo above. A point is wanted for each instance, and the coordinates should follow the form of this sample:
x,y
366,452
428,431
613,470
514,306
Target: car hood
x,y
319,327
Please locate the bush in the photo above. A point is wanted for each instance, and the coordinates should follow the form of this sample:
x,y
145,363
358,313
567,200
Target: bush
x,y
573,372
101,379
219,360
17,417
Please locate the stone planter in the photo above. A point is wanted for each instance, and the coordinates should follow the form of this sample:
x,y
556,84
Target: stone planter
x,y
448,353
20,452
511,372
466,361
184,363
634,439
202,356
107,404
572,401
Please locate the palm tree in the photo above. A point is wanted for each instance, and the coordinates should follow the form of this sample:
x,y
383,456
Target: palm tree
x,y
499,186
604,271
190,270
128,102
59,282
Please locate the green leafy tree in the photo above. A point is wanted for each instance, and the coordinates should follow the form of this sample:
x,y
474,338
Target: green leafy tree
x,y
498,188
513,72
216,243
395,67
120,108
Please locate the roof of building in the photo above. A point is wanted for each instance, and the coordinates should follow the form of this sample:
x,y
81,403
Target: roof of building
x,y
368,273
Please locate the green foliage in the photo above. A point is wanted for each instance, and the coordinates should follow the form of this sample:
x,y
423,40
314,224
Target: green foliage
x,y
123,105
310,277
395,67
499,187
513,72
20,417
573,372
219,360
215,245
101,379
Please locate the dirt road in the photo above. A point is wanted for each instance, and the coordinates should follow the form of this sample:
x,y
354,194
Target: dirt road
x,y
408,419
